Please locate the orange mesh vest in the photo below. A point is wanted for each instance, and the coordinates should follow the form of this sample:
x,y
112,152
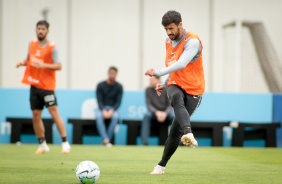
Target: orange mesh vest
x,y
41,78
190,78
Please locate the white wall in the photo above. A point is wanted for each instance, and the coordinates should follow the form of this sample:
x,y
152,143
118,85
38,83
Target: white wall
x,y
104,33
1,38
267,11
94,34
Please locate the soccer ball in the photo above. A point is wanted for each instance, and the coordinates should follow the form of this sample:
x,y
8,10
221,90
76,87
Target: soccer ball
x,y
87,172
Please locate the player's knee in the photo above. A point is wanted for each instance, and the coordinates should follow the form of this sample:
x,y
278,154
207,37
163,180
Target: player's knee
x,y
54,113
176,98
36,114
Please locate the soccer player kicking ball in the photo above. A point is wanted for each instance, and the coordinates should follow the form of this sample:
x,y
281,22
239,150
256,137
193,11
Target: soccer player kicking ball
x,y
40,73
185,83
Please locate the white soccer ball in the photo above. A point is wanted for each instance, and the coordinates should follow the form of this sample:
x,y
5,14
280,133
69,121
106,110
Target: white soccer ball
x,y
87,172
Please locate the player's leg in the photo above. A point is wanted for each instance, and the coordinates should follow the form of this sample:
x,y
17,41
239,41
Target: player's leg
x,y
37,104
191,104
146,127
39,130
53,110
101,127
51,104
38,125
171,143
177,98
180,123
170,147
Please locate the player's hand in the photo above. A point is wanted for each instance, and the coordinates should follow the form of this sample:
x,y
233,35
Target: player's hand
x,y
159,89
21,63
38,63
150,72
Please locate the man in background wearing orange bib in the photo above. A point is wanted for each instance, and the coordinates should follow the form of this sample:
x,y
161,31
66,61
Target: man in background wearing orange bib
x,y
185,83
41,64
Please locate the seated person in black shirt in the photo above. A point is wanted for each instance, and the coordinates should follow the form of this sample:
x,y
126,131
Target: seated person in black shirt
x,y
159,109
109,94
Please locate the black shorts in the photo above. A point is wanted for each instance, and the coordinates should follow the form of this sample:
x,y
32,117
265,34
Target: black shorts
x,y
39,97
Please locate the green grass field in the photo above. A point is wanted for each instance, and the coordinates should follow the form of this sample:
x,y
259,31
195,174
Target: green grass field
x,y
132,164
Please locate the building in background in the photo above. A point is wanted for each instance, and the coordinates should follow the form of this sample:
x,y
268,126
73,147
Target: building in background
x,y
127,33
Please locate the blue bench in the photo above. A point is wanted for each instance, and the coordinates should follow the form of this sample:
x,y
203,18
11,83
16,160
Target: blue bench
x,y
82,127
24,126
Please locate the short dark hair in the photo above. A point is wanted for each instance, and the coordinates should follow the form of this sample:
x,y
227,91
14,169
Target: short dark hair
x,y
113,68
43,22
171,17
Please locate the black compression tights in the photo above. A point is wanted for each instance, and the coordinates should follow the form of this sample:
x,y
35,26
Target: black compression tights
x,y
184,105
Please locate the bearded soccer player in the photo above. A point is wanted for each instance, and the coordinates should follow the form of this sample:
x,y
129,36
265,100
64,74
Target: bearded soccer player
x,y
185,83
41,65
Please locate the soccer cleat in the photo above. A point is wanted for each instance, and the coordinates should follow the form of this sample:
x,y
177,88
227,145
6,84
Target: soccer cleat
x,y
66,147
42,148
189,140
158,170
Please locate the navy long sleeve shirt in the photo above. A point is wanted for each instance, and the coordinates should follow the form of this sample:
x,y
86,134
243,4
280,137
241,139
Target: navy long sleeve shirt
x,y
109,95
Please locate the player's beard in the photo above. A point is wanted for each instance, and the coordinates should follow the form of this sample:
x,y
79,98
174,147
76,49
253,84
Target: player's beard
x,y
41,37
177,34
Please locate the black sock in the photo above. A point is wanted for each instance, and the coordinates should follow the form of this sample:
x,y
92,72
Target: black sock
x,y
41,140
64,139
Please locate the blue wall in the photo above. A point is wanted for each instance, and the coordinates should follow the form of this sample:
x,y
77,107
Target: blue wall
x,y
277,116
81,103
